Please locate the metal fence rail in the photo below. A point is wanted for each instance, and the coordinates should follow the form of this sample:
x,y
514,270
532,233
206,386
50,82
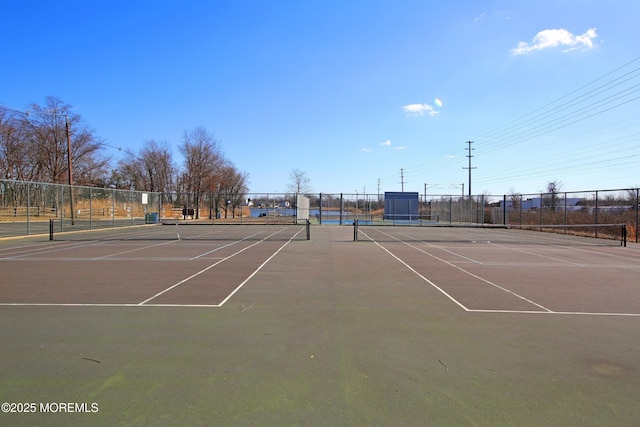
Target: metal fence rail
x,y
27,207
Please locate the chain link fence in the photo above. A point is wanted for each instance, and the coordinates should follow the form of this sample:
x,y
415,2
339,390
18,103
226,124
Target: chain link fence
x,y
30,208
26,208
267,208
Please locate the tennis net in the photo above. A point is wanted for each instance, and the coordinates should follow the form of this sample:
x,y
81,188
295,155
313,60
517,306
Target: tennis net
x,y
575,234
186,231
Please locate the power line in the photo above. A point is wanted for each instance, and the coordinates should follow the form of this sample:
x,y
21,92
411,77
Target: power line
x,y
604,94
561,98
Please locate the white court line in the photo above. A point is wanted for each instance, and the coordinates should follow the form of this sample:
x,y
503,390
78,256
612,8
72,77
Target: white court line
x,y
220,261
48,304
562,313
257,269
146,304
455,301
539,255
24,248
28,304
131,250
546,310
565,313
499,246
68,246
626,253
224,246
475,261
456,267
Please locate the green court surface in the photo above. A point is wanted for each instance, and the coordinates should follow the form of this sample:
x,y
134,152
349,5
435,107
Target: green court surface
x,y
437,330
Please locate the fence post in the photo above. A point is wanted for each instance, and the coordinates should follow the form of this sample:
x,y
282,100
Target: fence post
x,y
565,210
90,208
637,216
28,208
596,219
504,209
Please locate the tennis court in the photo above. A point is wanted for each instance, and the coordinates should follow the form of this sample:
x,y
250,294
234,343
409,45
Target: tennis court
x,y
477,269
192,265
495,269
230,325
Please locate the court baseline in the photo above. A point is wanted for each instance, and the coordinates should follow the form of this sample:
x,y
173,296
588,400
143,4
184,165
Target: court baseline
x,y
64,280
215,264
443,283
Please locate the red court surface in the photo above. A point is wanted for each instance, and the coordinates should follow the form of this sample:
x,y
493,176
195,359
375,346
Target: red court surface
x,y
472,271
502,271
182,272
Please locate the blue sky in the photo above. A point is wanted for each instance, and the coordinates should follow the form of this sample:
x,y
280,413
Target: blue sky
x,y
349,92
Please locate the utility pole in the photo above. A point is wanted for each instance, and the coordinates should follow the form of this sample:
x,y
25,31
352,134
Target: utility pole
x,y
402,179
469,167
425,199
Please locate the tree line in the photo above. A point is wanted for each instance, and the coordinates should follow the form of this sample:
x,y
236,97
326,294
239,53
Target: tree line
x,y
34,146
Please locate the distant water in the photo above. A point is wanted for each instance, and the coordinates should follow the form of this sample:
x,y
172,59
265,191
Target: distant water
x,y
257,212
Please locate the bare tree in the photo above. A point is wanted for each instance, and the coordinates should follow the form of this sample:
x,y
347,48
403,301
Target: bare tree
x,y
159,163
515,198
46,134
299,182
14,156
152,169
202,160
632,197
234,187
129,172
551,197
42,145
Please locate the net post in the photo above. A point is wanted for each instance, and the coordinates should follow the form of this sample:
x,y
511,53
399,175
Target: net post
x,y
51,229
355,230
308,226
624,235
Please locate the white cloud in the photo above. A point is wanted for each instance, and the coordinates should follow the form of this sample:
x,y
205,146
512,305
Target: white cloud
x,y
388,143
548,39
480,17
367,150
491,16
419,109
